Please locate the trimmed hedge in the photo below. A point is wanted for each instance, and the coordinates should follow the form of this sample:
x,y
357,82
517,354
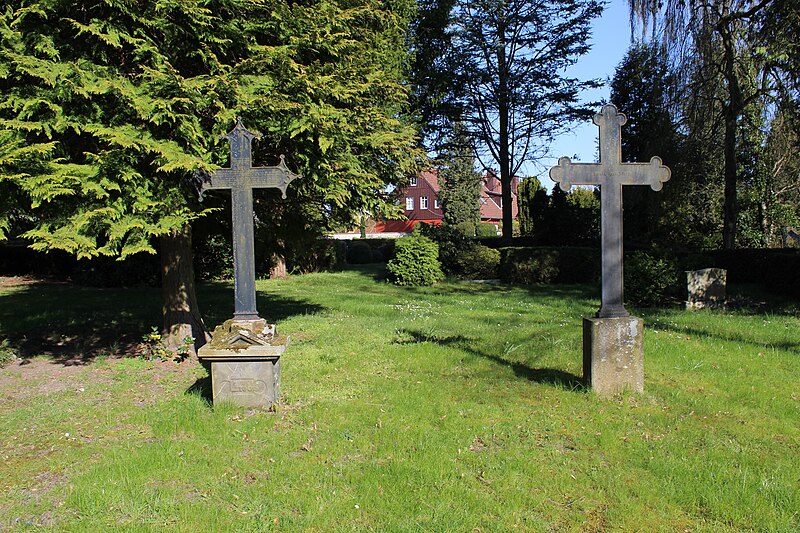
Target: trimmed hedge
x,y
486,229
782,274
478,262
368,250
359,253
649,278
549,265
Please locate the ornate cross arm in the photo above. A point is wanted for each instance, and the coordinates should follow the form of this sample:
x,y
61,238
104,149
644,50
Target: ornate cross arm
x,y
567,173
653,173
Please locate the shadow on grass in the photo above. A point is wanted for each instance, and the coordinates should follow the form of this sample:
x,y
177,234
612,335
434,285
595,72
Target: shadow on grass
x,y
73,325
738,337
546,376
202,387
216,303
374,271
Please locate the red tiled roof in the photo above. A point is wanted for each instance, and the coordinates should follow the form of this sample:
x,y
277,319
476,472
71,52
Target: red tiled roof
x,y
432,177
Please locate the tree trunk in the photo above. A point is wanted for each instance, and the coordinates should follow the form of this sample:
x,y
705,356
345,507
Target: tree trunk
x,y
731,207
180,310
278,261
504,111
732,112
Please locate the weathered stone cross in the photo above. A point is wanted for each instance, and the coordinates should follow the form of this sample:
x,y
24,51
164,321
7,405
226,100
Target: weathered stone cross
x,y
241,179
610,174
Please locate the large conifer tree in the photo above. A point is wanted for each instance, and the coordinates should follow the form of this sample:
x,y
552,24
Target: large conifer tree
x,y
110,109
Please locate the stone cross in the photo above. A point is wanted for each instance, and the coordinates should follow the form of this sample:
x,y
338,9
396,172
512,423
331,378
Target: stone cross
x,y
241,178
610,174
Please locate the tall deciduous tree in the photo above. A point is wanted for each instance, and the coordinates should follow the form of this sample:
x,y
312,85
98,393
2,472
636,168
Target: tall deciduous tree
x,y
111,108
725,36
510,58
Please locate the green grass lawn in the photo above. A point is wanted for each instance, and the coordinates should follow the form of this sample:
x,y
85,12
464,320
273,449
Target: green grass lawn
x,y
457,407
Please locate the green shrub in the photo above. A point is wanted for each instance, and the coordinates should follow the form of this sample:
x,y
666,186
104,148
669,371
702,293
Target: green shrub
x,y
8,353
649,279
466,228
451,241
478,262
416,262
359,253
486,229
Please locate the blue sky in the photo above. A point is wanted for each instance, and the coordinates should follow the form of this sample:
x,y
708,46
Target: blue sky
x,y
611,37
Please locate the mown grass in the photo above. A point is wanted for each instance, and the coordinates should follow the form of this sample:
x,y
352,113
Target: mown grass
x,y
451,408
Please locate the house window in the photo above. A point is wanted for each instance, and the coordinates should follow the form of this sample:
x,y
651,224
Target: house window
x,y
436,204
412,182
423,202
409,203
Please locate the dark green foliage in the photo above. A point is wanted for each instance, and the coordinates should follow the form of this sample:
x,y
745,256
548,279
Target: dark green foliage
x,y
533,204
460,184
359,253
561,218
466,228
416,262
213,258
369,250
649,278
462,256
486,229
108,109
451,243
782,274
754,265
687,212
549,265
312,254
478,262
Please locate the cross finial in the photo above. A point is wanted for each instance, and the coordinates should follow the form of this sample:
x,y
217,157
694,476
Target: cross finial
x,y
610,122
241,140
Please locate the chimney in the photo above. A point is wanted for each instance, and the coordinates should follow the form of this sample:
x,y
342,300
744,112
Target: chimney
x,y
491,180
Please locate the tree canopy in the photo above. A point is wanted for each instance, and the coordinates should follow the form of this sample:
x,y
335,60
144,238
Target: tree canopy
x,y
108,110
509,88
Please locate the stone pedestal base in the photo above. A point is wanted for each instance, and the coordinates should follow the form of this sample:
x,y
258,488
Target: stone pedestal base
x,y
245,363
613,354
247,383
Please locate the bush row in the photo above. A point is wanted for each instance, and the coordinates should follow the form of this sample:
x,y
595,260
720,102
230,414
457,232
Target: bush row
x,y
365,251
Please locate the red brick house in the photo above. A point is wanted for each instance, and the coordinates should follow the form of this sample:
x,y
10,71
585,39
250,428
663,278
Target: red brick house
x,y
421,202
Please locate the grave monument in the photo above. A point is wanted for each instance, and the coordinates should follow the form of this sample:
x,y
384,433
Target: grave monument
x,y
613,354
706,288
245,351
